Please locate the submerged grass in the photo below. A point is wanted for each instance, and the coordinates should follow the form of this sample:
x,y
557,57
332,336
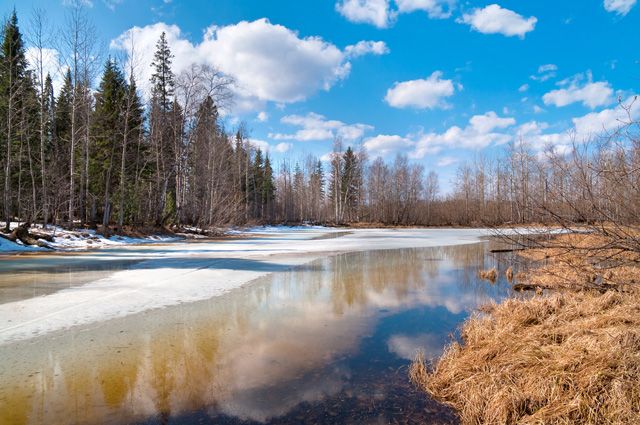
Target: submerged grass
x,y
569,356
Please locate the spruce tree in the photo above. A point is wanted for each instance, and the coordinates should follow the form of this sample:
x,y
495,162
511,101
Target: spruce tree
x,y
268,187
162,79
108,129
162,126
13,78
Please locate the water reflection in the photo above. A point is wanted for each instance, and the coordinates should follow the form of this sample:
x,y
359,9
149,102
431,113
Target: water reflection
x,y
327,343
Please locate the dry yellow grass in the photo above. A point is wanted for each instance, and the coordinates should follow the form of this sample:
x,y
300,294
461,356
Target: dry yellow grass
x,y
509,274
490,275
565,357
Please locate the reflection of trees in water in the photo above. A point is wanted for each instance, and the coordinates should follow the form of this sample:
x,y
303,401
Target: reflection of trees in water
x,y
355,277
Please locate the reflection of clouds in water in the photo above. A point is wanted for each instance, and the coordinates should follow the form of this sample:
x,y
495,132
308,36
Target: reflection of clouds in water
x,y
263,403
407,347
438,292
261,350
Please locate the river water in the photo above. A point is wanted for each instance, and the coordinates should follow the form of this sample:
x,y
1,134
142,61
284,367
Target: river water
x,y
326,342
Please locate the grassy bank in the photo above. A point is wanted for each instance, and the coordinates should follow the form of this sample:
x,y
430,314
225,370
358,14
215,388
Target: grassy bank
x,y
570,354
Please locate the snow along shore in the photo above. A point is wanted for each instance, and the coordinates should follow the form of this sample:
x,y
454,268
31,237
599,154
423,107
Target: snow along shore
x,y
78,239
188,271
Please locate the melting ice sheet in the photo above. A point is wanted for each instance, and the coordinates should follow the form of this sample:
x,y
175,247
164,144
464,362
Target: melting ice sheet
x,y
47,293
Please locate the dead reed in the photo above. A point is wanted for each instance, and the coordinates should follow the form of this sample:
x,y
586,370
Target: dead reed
x,y
571,355
490,275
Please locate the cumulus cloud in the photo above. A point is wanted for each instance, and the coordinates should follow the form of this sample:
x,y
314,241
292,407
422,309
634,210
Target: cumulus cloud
x,y
607,120
478,134
269,62
436,9
315,127
482,131
374,12
426,93
494,19
591,95
282,147
621,7
584,128
260,144
382,14
51,64
366,47
384,145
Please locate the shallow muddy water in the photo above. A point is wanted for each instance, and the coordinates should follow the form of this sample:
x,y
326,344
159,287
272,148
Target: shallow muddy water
x,y
327,342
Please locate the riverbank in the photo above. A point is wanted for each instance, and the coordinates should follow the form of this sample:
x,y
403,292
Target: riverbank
x,y
569,354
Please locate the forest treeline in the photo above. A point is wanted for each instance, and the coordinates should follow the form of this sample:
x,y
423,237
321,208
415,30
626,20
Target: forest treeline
x,y
98,154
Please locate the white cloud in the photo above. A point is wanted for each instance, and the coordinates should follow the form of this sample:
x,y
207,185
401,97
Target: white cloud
x,y
446,161
374,12
481,131
545,72
436,9
607,120
316,127
366,47
621,7
427,93
537,109
478,134
550,67
532,133
283,147
262,116
73,3
523,88
584,128
590,94
260,144
384,145
51,65
269,62
494,19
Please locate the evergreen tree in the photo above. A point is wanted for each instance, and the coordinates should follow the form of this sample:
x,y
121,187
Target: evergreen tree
x,y
108,129
131,154
162,126
255,189
349,186
268,188
49,103
162,79
13,79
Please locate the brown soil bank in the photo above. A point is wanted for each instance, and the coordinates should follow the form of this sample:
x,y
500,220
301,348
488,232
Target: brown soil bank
x,y
569,356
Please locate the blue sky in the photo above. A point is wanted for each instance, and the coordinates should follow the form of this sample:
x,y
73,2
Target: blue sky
x,y
440,80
